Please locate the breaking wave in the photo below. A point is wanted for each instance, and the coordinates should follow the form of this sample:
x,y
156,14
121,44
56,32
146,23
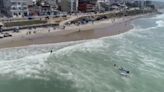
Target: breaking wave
x,y
87,66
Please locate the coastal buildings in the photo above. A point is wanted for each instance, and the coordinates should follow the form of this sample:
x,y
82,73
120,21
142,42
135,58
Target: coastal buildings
x,y
103,5
69,5
0,7
15,8
0,14
42,7
87,5
20,8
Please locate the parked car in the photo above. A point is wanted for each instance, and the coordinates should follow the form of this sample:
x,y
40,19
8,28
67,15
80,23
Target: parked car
x,y
47,17
30,18
16,29
1,36
7,35
63,14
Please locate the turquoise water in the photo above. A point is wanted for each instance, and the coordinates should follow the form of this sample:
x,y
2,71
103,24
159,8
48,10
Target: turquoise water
x,y
87,66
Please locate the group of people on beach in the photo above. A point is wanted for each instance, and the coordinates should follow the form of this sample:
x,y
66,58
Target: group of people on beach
x,y
34,31
29,32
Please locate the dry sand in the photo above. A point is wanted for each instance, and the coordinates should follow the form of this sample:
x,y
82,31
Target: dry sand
x,y
70,33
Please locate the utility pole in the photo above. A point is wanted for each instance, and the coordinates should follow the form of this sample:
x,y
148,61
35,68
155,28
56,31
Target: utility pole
x,y
143,6
77,5
124,9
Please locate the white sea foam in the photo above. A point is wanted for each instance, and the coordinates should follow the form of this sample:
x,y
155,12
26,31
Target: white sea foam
x,y
158,16
160,23
20,52
33,65
29,66
89,64
90,45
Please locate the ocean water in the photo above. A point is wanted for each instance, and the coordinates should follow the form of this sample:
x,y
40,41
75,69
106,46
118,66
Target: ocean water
x,y
87,66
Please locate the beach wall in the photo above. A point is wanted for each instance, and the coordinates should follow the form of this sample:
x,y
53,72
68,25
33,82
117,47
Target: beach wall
x,y
31,26
113,15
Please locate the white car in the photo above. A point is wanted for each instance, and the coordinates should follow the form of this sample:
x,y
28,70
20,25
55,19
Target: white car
x,y
1,36
7,35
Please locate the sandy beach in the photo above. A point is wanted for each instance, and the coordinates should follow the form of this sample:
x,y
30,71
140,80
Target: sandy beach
x,y
70,33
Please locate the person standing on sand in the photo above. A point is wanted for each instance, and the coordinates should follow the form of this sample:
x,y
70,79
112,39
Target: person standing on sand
x,y
64,27
49,30
29,32
92,21
34,32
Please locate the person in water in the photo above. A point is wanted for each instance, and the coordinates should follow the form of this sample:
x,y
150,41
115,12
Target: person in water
x,y
124,71
128,72
51,51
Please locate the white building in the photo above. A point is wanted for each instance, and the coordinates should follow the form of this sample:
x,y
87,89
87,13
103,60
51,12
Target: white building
x,y
101,4
104,1
69,5
117,1
16,8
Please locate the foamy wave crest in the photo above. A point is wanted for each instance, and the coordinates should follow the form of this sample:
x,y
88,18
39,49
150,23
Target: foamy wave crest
x,y
27,67
159,16
20,52
88,46
88,65
34,65
160,23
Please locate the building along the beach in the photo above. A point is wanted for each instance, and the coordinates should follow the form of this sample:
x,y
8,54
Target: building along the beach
x,y
87,5
0,13
69,5
1,7
15,8
42,7
103,5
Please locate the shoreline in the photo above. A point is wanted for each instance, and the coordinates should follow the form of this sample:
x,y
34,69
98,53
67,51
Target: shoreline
x,y
71,33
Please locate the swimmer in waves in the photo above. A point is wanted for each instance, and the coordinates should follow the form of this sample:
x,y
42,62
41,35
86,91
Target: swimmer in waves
x,y
123,72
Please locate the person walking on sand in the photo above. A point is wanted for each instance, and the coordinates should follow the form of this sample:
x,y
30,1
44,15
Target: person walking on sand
x,y
92,21
64,27
26,33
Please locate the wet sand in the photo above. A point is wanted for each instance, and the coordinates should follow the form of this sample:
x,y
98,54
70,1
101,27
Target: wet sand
x,y
89,31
